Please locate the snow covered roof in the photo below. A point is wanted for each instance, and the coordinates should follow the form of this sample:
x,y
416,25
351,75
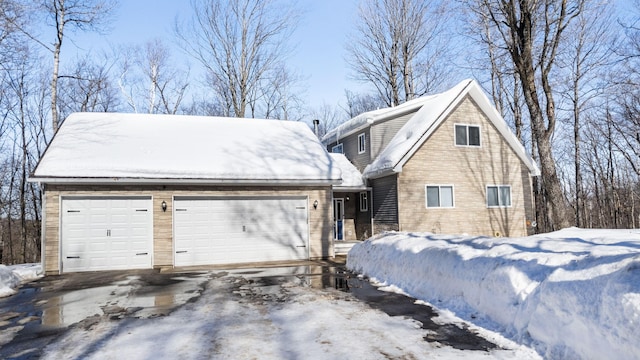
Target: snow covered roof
x,y
433,110
351,178
97,147
371,117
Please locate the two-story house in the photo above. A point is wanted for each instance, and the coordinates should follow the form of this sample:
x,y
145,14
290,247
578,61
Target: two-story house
x,y
444,163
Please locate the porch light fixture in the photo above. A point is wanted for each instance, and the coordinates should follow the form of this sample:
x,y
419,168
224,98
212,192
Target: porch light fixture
x,y
347,197
164,206
315,204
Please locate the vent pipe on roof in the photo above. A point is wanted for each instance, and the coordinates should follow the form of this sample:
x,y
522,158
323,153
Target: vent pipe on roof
x,y
316,127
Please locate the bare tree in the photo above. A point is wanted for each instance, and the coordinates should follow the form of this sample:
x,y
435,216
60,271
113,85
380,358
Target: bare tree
x,y
238,42
532,33
20,199
361,103
279,96
147,74
70,15
329,116
87,87
395,47
584,59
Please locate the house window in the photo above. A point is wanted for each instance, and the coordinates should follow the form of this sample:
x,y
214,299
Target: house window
x,y
498,195
362,143
439,196
337,149
364,201
467,135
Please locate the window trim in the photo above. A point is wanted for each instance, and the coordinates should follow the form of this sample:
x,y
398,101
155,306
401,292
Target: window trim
x,y
362,144
364,199
439,186
337,146
467,126
499,197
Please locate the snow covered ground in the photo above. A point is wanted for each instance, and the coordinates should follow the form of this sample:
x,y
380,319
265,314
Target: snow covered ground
x,y
11,277
574,293
235,319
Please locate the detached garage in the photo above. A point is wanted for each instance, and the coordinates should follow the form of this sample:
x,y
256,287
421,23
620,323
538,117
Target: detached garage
x,y
135,191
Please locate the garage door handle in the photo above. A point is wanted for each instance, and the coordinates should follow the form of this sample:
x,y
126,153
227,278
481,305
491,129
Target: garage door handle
x,y
181,251
142,253
301,246
73,257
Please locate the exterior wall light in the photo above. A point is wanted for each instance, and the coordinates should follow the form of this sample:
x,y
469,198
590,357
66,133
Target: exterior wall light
x,y
315,204
164,206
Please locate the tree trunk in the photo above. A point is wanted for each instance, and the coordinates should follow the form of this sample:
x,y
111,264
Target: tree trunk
x,y
60,21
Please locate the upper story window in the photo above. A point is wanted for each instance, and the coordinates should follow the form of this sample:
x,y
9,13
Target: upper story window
x,y
337,149
362,143
439,196
498,195
467,135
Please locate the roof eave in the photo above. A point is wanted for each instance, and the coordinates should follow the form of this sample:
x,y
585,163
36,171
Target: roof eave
x,y
351,188
380,173
183,181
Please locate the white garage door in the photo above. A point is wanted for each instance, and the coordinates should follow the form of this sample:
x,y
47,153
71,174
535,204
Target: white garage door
x,y
236,230
106,234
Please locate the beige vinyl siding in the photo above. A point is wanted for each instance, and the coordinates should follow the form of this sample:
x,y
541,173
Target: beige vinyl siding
x,y
469,170
382,132
320,226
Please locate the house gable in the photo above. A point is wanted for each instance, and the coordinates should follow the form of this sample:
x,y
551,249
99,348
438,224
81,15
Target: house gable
x,y
469,170
435,110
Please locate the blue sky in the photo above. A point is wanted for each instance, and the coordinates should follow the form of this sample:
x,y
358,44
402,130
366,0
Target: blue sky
x,y
319,55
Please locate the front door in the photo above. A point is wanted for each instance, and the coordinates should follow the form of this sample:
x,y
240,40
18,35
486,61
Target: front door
x,y
338,216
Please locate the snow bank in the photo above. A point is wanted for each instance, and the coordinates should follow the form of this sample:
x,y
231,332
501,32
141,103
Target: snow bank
x,y
570,294
11,277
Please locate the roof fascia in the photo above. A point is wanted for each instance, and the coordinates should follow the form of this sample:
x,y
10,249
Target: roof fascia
x,y
496,119
477,94
443,115
338,188
147,181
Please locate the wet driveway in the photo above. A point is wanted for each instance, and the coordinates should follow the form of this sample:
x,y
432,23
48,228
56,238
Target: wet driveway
x,y
45,309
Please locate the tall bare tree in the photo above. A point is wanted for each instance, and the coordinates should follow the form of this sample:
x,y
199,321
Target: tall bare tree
x,y
584,61
149,81
87,86
360,103
532,32
70,15
397,47
238,42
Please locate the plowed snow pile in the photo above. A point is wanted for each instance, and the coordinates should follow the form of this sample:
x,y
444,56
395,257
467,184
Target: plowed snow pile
x,y
571,293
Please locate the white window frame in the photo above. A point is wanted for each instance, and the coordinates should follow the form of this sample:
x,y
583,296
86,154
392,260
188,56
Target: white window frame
x,y
467,126
364,200
362,143
336,147
499,197
439,186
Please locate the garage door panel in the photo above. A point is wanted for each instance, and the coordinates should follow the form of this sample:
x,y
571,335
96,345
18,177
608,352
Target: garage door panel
x,y
106,233
234,230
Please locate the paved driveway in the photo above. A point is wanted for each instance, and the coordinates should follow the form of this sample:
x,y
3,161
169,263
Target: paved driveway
x,y
90,314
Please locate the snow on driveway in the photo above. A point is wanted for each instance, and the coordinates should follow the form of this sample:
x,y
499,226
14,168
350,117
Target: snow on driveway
x,y
574,293
235,319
